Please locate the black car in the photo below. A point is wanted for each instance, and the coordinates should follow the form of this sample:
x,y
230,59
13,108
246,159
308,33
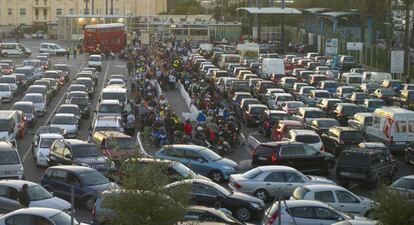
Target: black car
x,y
322,125
87,182
207,193
338,138
294,154
366,167
78,152
84,106
409,154
342,112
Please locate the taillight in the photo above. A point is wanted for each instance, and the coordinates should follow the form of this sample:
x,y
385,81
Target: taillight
x,y
94,210
274,158
236,185
273,218
322,148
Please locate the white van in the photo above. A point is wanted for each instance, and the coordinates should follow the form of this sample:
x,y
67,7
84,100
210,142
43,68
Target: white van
x,y
95,61
375,77
14,49
111,93
272,66
228,58
9,126
52,48
352,79
392,126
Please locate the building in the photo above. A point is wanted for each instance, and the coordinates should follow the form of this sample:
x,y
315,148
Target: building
x,y
43,12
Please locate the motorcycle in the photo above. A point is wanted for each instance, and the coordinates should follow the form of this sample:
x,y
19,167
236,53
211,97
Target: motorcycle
x,y
159,137
223,147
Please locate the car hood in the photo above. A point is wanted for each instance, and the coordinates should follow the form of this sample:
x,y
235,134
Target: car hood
x,y
3,134
5,93
65,127
91,160
102,187
320,180
54,203
227,162
246,198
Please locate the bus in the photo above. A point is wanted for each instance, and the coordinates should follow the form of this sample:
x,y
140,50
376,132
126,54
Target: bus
x,y
99,38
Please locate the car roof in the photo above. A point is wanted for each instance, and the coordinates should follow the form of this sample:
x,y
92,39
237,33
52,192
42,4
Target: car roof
x,y
290,122
76,142
304,132
323,187
6,146
307,108
273,168
298,203
64,114
50,135
69,105
23,103
72,168
109,101
17,183
45,212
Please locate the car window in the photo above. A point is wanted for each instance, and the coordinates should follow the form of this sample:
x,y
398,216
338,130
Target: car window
x,y
346,197
204,190
20,219
8,192
173,152
59,175
193,156
275,177
73,180
325,214
324,196
302,212
293,178
292,150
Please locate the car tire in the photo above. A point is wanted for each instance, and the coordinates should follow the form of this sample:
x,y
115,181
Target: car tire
x,y
89,202
243,214
261,194
216,176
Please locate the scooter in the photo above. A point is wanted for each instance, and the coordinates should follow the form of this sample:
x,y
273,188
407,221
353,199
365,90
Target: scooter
x,y
223,147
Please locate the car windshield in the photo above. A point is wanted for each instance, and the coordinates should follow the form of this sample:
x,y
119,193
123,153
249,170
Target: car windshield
x,y
4,125
210,155
322,95
295,105
63,68
83,151
361,96
330,85
26,72
64,120
257,110
86,82
388,92
26,108
110,108
285,98
106,128
4,88
404,183
309,139
277,116
355,79
48,130
92,178
92,58
9,158
36,89
51,75
315,114
77,88
376,103
327,123
351,110
72,110
63,219
5,66
348,90
80,101
121,97
354,136
183,170
251,173
37,193
47,142
122,143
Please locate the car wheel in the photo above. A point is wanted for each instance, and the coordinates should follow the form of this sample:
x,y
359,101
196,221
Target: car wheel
x,y
89,203
216,176
261,194
369,215
242,214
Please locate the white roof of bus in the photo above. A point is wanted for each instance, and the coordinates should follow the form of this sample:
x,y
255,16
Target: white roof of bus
x,y
106,25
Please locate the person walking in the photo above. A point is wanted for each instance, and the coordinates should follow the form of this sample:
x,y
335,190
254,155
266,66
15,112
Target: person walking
x,y
24,198
74,51
67,53
130,67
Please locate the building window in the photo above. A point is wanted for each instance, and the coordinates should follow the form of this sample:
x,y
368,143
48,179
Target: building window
x,y
44,12
22,12
36,2
10,12
44,2
36,12
59,12
71,11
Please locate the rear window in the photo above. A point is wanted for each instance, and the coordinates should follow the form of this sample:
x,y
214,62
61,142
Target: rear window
x,y
309,139
300,193
353,158
353,136
263,150
351,110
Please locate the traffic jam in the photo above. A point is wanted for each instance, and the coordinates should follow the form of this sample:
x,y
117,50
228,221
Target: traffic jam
x,y
312,128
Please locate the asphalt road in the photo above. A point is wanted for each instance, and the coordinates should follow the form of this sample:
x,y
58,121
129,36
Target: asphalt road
x,y
242,155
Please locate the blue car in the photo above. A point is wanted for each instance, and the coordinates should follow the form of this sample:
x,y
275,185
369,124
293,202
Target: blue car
x,y
200,159
87,182
329,85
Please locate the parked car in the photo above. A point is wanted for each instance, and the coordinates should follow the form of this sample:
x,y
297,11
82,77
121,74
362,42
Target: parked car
x,y
67,122
404,186
38,215
366,167
338,138
207,193
322,125
294,154
200,159
88,183
304,212
39,197
11,166
266,182
337,197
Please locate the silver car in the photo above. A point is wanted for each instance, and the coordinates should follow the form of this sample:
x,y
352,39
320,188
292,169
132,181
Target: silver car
x,y
10,163
39,102
39,197
267,181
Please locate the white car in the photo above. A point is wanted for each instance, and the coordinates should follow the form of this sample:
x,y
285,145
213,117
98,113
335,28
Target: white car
x,y
107,123
45,215
357,222
39,102
337,197
116,83
95,61
305,212
41,147
67,122
309,137
6,92
52,48
267,181
39,197
11,166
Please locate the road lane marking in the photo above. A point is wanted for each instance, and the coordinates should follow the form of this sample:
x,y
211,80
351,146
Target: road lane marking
x,y
104,80
26,154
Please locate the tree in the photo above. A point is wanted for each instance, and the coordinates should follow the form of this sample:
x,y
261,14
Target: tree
x,y
393,207
186,7
144,200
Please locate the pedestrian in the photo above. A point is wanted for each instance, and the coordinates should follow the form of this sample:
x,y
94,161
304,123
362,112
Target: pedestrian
x,y
130,67
171,79
130,125
188,128
24,198
67,53
74,51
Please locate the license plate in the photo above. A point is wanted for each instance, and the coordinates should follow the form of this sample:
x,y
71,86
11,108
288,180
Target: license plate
x,y
400,143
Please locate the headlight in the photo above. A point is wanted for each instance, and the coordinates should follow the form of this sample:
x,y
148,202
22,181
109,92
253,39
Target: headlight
x,y
255,205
